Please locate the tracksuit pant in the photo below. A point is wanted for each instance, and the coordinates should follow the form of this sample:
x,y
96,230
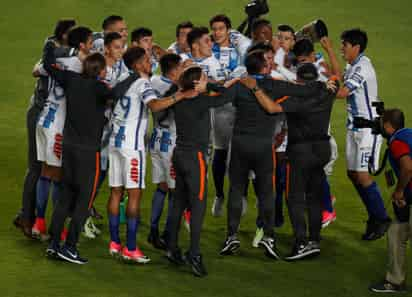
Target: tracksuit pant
x,y
304,187
33,166
249,153
81,168
191,192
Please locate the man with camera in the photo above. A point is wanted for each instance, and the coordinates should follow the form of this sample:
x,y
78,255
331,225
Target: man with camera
x,y
400,157
362,146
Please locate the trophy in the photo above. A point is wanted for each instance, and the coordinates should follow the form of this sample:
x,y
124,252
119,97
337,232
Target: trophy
x,y
313,31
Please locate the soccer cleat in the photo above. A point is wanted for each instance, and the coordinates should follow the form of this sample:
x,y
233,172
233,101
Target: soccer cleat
x,y
39,229
134,256
376,229
196,263
52,249
88,229
258,237
217,207
24,225
244,206
115,249
186,217
155,240
70,254
94,228
175,257
304,250
270,246
230,246
387,287
328,218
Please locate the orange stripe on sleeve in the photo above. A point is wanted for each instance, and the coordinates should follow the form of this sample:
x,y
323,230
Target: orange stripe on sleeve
x,y
202,168
280,100
96,180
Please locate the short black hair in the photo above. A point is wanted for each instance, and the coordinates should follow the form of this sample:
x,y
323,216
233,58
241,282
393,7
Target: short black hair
x,y
262,45
303,47
110,37
78,35
196,34
93,65
258,23
255,61
395,117
132,56
183,25
169,62
307,72
140,33
110,20
221,18
286,28
62,27
186,80
355,37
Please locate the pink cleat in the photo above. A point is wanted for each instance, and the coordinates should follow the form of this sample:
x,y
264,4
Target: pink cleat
x,y
115,249
328,218
134,256
39,229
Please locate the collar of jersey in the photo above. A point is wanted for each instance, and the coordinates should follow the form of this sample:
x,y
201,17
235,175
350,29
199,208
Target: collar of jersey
x,y
357,59
258,76
197,60
165,79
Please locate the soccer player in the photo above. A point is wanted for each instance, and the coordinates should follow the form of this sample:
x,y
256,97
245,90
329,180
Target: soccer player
x,y
162,144
143,37
86,97
286,39
181,46
127,160
230,56
113,23
26,217
305,53
49,130
362,147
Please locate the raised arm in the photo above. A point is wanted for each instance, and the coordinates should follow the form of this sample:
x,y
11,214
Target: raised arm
x,y
49,64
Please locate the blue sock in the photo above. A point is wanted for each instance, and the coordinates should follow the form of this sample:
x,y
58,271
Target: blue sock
x,y
57,192
169,212
326,201
374,199
114,222
132,228
362,194
157,208
42,195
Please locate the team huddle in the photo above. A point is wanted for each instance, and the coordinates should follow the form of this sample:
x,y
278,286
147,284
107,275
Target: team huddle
x,y
216,97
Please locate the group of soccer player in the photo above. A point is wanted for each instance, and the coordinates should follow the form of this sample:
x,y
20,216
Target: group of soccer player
x,y
200,61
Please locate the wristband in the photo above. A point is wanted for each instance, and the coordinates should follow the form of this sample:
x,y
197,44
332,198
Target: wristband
x,y
255,89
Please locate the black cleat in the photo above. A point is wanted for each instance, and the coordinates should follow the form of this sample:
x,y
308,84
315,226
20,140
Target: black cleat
x,y
387,287
71,255
52,249
303,250
155,240
376,229
270,247
230,246
196,264
175,257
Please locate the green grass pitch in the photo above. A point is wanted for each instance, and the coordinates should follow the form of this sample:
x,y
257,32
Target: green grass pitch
x,y
347,265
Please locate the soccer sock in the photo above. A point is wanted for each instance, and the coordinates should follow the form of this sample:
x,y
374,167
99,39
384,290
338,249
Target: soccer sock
x,y
114,221
42,195
375,201
132,228
169,211
157,208
219,170
362,194
326,201
57,192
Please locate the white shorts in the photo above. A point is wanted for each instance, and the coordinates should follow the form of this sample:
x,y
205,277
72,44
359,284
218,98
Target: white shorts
x,y
104,150
333,156
161,166
49,146
360,147
127,168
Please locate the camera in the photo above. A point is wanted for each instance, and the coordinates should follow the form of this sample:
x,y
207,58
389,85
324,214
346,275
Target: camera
x,y
376,123
256,8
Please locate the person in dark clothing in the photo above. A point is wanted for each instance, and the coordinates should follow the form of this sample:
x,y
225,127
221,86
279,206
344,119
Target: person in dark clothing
x,y
192,118
86,98
252,148
308,152
26,216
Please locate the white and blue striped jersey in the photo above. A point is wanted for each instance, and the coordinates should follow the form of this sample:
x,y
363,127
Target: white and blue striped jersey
x,y
210,66
130,116
116,73
241,43
53,114
174,48
360,79
166,120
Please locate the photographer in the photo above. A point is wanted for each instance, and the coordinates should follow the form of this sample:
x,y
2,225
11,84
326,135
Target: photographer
x,y
400,157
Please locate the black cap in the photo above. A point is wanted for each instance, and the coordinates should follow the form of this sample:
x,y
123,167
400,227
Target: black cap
x,y
307,72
